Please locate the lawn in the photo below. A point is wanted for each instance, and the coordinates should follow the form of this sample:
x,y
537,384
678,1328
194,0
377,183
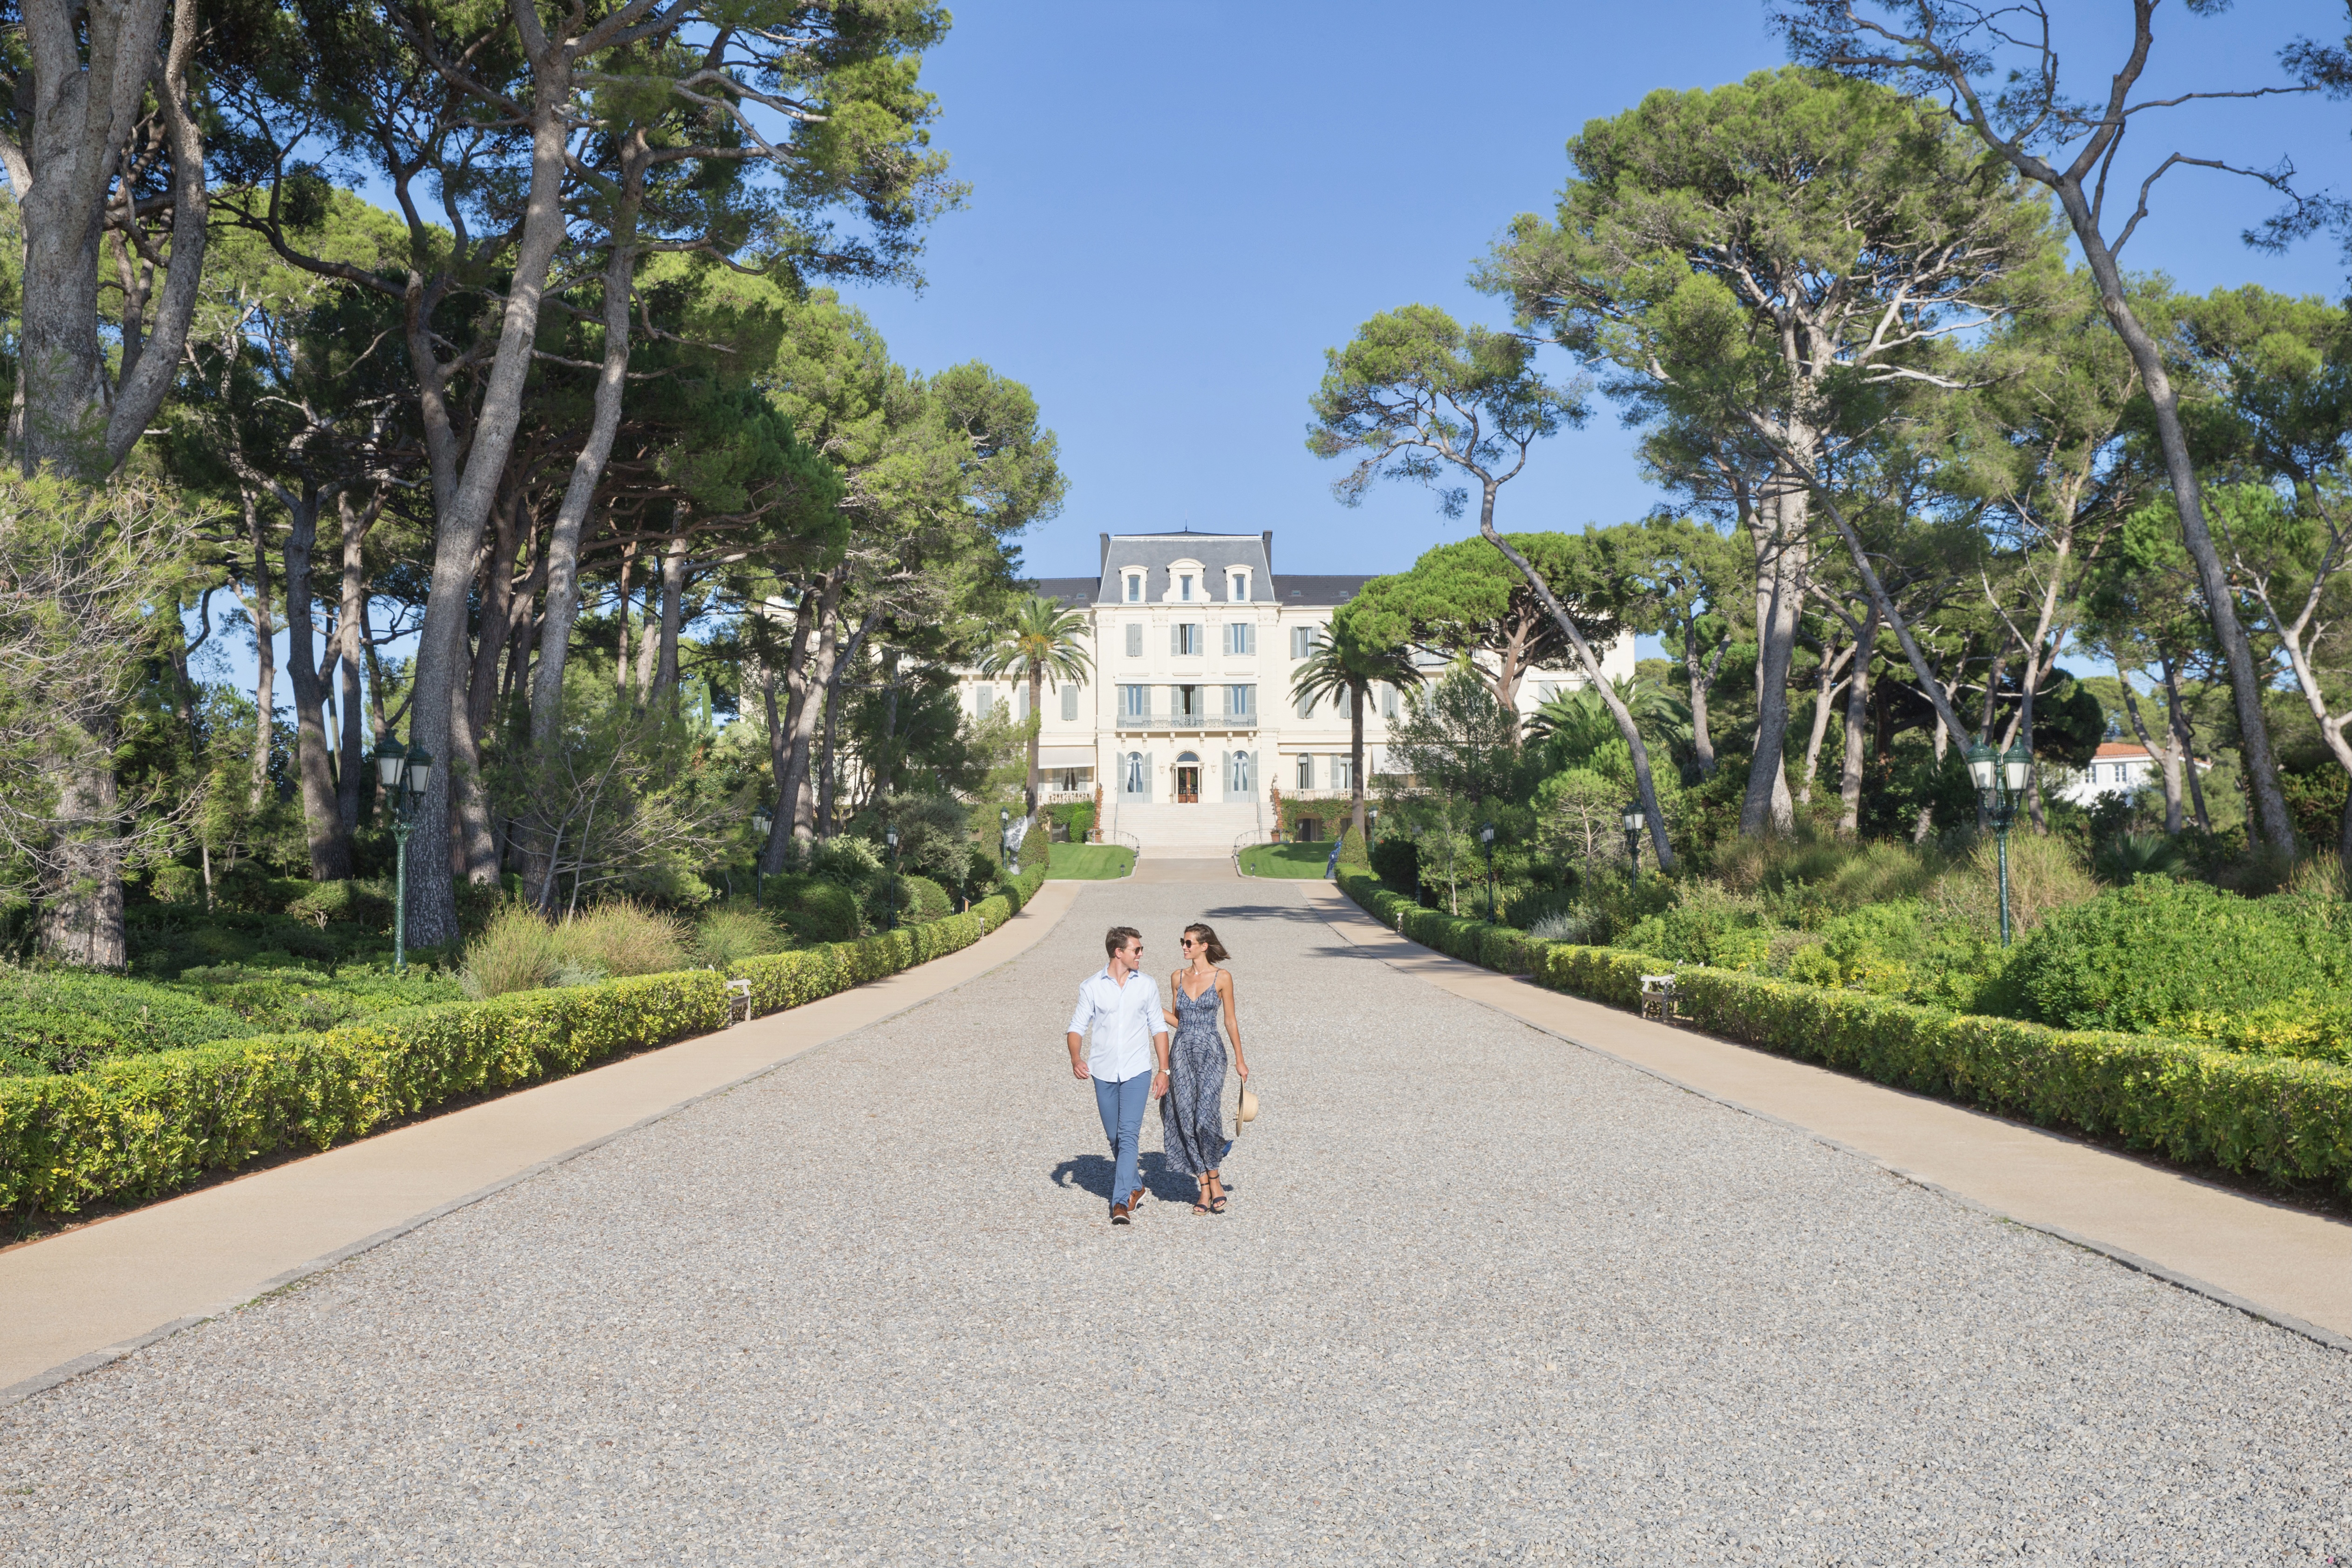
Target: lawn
x,y
1285,859
1090,862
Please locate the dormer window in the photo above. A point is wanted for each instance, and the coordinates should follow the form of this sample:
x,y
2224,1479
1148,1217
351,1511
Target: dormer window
x,y
1135,587
1238,586
1184,587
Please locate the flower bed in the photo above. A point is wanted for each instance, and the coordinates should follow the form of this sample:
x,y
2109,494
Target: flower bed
x,y
144,1126
2286,1119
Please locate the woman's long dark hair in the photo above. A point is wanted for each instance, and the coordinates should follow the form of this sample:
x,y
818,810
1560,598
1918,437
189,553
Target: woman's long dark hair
x,y
1214,949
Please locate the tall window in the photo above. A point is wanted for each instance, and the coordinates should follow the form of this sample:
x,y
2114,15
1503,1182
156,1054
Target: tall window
x,y
1239,781
1185,586
1240,701
1069,704
1239,587
1135,773
1306,772
1387,702
1241,636
1135,587
1135,639
982,702
1135,702
1188,702
1302,641
1184,637
1343,772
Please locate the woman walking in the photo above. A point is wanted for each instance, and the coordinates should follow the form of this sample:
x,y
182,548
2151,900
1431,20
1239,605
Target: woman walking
x,y
1191,1118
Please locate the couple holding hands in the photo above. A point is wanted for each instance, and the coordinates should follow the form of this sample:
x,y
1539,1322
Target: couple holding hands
x,y
1132,1060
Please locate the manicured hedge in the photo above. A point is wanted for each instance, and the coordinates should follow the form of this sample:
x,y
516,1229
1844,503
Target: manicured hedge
x,y
2276,1116
141,1127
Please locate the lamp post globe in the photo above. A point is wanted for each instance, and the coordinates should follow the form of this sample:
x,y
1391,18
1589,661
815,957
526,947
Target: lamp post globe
x,y
763,823
890,838
1634,819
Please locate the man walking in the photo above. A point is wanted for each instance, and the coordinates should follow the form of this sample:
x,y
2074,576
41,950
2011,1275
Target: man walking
x,y
1118,1005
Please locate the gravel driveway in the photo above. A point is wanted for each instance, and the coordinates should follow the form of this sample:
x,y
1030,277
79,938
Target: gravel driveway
x,y
1480,1296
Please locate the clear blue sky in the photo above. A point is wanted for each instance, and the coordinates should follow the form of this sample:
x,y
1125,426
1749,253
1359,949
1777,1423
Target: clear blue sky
x,y
1175,210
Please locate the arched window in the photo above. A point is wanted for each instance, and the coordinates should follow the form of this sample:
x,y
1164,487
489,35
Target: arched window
x,y
1135,773
1242,783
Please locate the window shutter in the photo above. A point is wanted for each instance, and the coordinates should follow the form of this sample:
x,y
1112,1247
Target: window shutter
x,y
1225,770
1146,776
1069,703
1249,636
1135,639
1175,639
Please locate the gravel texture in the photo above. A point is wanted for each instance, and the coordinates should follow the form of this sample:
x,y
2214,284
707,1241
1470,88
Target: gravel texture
x,y
1480,1296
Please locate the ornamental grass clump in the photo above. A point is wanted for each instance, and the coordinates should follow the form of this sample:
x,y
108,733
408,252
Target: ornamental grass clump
x,y
518,950
623,937
732,933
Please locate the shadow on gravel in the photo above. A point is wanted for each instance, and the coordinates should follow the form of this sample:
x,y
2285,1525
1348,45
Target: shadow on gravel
x,y
1091,1174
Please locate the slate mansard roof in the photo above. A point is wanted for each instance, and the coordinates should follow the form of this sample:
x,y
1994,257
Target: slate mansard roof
x,y
1157,553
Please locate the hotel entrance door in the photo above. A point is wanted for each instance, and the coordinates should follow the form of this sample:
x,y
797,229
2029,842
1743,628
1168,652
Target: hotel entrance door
x,y
1188,780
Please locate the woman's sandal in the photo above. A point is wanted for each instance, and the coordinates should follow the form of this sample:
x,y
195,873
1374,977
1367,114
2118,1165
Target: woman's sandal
x,y
1201,1205
1216,1202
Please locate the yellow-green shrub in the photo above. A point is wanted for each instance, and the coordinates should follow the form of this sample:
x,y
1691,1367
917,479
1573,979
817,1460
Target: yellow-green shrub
x,y
147,1125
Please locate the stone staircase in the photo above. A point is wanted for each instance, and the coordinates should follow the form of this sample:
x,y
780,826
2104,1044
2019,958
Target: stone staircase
x,y
1188,831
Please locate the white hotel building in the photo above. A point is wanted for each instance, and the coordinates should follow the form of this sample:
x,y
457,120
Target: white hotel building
x,y
1187,723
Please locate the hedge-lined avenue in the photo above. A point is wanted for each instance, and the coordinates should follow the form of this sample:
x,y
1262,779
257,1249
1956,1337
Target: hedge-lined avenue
x,y
2286,1119
143,1127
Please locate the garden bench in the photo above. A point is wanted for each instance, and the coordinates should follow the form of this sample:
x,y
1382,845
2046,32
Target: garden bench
x,y
1658,997
738,1001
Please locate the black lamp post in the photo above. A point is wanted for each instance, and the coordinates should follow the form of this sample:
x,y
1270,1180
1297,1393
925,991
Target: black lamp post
x,y
1486,839
890,837
1635,820
2000,778
762,823
405,771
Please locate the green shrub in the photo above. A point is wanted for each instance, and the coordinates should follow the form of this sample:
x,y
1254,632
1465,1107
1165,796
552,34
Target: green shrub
x,y
288,999
732,933
1076,819
1351,849
926,900
2282,1119
61,1021
823,912
1396,860
321,902
518,950
623,937
145,1126
2136,957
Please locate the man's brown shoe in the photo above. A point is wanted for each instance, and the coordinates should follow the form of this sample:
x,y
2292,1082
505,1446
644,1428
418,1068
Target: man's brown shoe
x,y
1135,1200
1118,1214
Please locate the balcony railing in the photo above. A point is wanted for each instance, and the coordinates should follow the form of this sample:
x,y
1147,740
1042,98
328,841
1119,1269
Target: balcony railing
x,y
1174,721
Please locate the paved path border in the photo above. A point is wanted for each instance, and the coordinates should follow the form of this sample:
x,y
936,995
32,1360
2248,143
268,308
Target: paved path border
x,y
75,1302
2283,1265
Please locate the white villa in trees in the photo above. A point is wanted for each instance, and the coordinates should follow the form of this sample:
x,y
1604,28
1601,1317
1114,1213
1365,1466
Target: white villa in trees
x,y
1187,723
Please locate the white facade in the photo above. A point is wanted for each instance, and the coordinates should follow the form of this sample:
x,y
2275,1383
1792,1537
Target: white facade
x,y
1194,642
2119,767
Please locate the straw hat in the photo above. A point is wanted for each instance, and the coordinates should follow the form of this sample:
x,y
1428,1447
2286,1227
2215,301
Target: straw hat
x,y
1247,1109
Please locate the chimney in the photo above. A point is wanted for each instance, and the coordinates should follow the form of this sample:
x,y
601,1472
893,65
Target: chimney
x,y
1105,553
1268,538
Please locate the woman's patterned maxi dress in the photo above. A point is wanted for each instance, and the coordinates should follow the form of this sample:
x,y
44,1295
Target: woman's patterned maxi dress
x,y
1190,1121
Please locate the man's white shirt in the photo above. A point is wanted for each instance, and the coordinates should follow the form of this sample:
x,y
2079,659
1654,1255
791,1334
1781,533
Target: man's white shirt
x,y
1118,1021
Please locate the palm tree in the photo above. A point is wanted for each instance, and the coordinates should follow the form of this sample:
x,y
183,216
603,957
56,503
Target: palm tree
x,y
1042,640
1341,667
